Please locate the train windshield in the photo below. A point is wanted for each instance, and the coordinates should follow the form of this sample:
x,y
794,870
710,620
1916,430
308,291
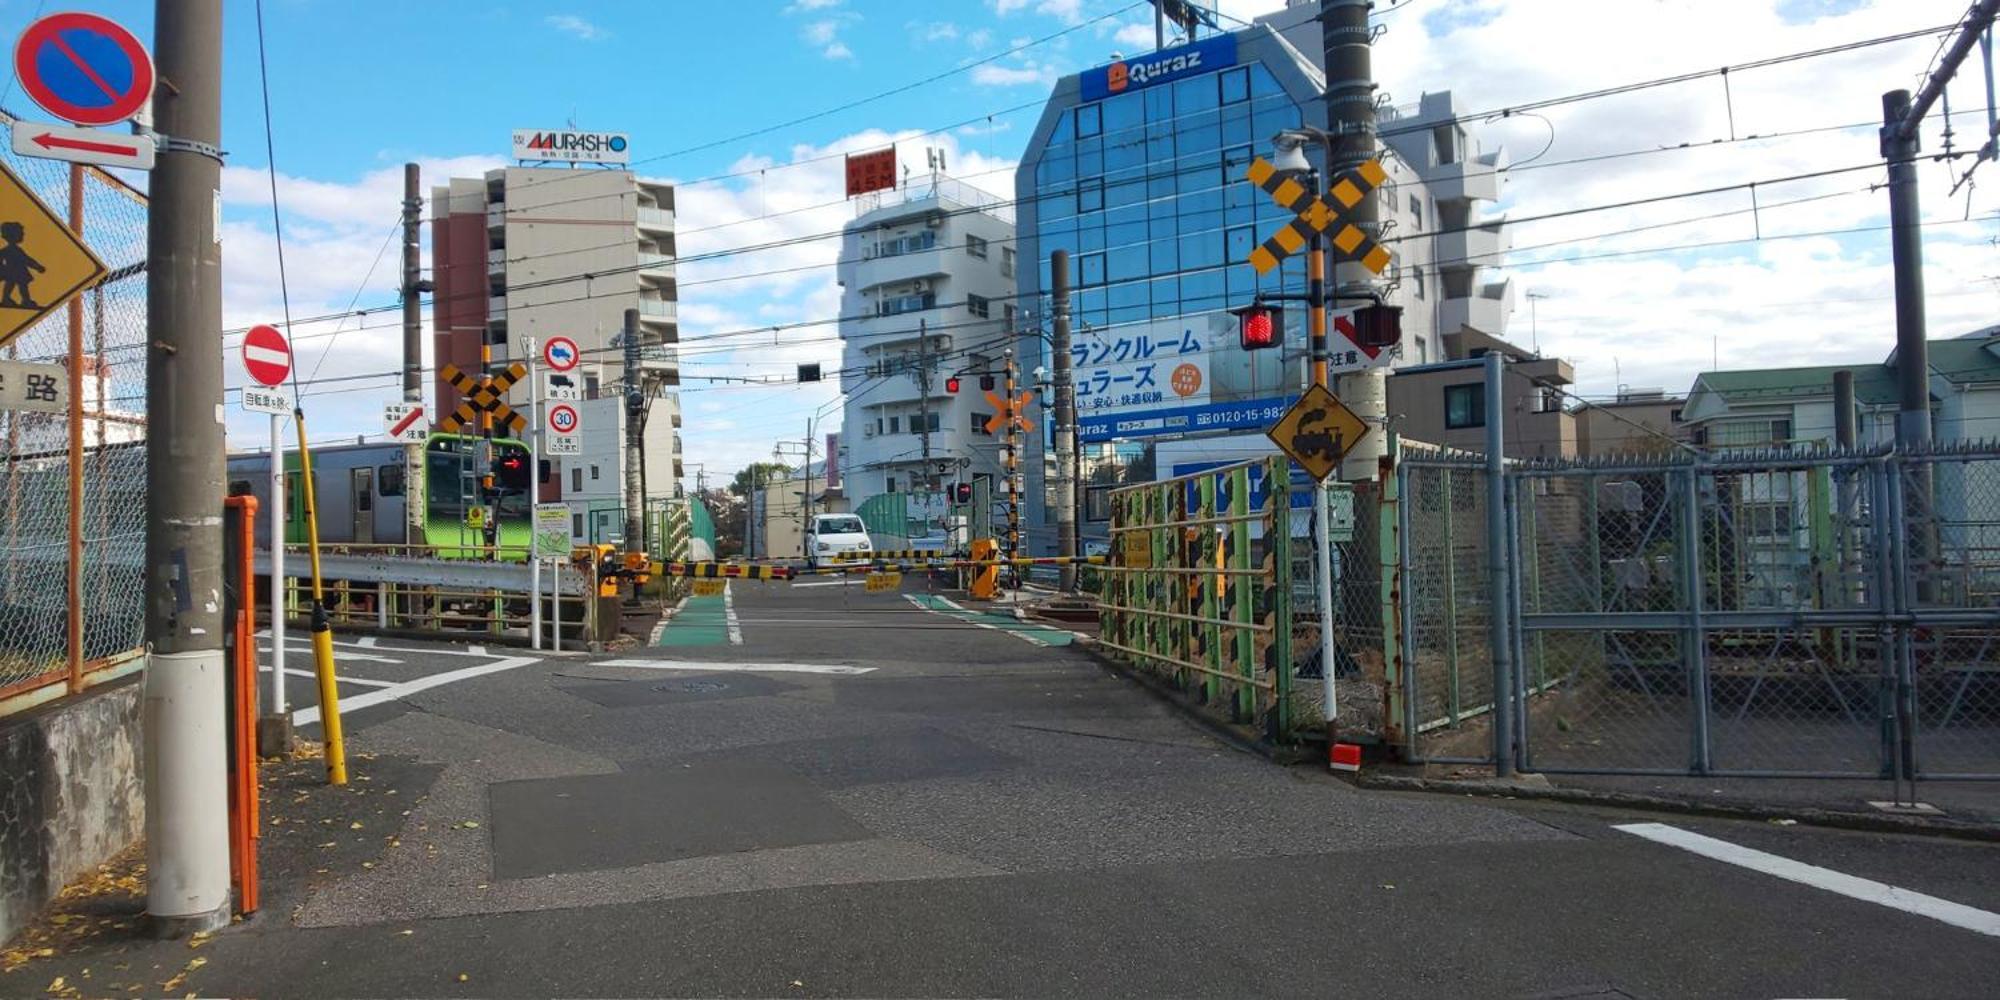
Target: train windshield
x,y
452,475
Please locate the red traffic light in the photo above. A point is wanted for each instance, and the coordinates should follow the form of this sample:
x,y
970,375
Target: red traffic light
x,y
1260,326
951,384
961,493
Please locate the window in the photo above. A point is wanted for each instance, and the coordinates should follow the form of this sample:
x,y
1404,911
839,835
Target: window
x,y
389,480
576,525
895,304
593,473
977,305
1006,262
1235,160
1781,431
975,246
1465,405
1768,520
895,425
1674,416
1417,276
1090,269
1089,120
920,421
576,479
1007,311
1423,351
1090,195
1417,210
907,244
1097,503
1236,85
878,425
979,422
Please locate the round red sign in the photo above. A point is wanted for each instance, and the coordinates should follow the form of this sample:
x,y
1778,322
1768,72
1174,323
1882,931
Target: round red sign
x,y
266,356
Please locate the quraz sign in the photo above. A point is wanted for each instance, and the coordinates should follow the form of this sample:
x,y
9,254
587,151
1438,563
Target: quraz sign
x,y
1211,53
572,146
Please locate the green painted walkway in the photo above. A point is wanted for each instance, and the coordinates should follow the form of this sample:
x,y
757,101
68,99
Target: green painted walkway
x,y
1039,634
702,621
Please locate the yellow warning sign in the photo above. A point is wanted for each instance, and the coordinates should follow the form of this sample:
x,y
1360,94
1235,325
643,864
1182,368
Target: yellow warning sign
x,y
877,583
1318,431
709,588
1137,549
475,517
42,263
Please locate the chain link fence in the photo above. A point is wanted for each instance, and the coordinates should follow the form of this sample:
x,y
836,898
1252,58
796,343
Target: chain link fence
x,y
108,325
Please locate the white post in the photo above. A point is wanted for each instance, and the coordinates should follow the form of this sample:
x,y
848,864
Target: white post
x,y
555,610
534,498
1323,555
277,566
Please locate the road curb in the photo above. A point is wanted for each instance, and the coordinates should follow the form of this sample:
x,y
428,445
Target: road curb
x,y
1833,818
1230,733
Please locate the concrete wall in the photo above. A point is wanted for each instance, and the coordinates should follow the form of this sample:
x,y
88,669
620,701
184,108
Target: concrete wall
x,y
70,795
1630,428
1536,427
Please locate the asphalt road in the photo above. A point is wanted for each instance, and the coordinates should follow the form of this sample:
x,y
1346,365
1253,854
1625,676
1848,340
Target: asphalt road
x,y
813,790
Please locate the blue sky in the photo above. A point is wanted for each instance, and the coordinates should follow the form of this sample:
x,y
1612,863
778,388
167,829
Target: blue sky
x,y
360,86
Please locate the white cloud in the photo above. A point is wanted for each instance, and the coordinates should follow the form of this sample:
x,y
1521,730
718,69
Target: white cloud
x,y
838,50
996,75
805,5
820,32
1138,37
979,38
824,33
570,24
935,31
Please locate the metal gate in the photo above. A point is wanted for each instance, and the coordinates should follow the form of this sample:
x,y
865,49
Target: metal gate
x,y
1789,612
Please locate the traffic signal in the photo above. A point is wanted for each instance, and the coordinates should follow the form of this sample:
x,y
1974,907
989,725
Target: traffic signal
x,y
1260,326
1378,326
951,384
961,493
986,383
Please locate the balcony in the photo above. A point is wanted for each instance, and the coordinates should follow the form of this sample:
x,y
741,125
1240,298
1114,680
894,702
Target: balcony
x,y
657,310
657,220
496,308
1484,245
1484,313
1477,179
656,266
875,272
496,262
496,215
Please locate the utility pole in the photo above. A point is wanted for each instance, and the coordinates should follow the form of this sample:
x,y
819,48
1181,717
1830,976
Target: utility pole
x,y
1064,430
1350,117
635,404
1012,466
186,768
806,501
413,346
924,399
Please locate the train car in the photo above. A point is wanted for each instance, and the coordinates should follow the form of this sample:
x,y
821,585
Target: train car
x,y
363,497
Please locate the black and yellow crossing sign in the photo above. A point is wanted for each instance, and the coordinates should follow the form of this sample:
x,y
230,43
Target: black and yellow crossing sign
x,y
1318,431
484,395
42,263
1318,215
1014,410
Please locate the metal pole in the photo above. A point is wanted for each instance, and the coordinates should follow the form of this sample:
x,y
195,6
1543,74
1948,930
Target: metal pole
x,y
1499,576
1064,431
1013,473
806,500
184,749
923,401
534,494
73,578
1345,38
278,705
555,610
635,499
1913,420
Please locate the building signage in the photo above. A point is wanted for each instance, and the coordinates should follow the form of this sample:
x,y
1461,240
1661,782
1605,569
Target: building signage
x,y
1142,367
37,387
1238,415
871,171
1211,53
569,146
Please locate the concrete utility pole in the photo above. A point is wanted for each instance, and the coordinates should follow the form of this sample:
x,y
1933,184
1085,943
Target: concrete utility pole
x,y
1501,573
1906,246
635,405
923,399
1350,117
413,345
186,768
1064,430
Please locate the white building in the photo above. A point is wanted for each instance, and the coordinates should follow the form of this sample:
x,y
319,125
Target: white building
x,y
532,253
927,273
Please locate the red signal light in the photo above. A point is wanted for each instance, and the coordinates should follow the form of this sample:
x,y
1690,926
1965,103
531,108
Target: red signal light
x,y
1260,326
951,384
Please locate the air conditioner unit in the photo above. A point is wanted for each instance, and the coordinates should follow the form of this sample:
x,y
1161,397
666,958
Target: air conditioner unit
x,y
921,285
868,431
934,220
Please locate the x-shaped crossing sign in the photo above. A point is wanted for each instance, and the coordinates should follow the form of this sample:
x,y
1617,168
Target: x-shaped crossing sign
x,y
1318,215
484,395
1004,410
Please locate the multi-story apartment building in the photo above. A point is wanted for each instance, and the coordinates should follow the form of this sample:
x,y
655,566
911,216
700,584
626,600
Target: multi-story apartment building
x,y
927,274
531,252
1137,170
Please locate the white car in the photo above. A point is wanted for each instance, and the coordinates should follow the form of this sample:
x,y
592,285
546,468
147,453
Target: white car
x,y
833,535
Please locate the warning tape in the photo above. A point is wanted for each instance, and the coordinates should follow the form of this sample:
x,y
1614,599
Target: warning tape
x,y
749,571
732,571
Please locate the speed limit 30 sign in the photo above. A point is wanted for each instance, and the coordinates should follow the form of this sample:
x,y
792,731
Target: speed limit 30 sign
x,y
562,418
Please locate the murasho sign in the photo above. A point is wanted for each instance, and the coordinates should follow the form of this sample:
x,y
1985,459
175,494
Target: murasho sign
x,y
571,146
1210,53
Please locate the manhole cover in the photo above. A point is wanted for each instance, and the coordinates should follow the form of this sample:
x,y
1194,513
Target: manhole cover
x,y
693,687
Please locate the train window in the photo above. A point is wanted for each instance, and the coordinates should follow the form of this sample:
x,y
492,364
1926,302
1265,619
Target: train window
x,y
389,480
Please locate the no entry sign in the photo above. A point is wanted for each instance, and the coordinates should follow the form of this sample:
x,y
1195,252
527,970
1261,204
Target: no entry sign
x,y
84,68
266,355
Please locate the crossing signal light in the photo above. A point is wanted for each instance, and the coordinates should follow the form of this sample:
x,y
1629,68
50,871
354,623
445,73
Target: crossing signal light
x,y
951,384
1378,326
1260,326
961,493
986,383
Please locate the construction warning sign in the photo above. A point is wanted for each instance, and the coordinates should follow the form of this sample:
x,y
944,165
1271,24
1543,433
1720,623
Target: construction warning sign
x,y
1318,431
877,583
42,264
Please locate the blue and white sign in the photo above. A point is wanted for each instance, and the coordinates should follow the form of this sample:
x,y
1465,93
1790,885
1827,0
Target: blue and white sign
x,y
1239,415
1142,366
1209,54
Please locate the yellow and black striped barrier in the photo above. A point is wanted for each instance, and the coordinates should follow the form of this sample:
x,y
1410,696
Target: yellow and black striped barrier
x,y
883,554
724,570
907,566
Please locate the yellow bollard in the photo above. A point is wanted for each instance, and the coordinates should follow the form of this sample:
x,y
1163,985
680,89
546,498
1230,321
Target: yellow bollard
x,y
322,630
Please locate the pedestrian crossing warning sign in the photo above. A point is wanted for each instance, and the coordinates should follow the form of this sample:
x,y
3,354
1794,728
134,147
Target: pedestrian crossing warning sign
x,y
42,263
1318,431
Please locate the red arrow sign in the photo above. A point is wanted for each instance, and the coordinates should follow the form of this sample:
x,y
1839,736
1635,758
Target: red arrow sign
x,y
416,413
47,141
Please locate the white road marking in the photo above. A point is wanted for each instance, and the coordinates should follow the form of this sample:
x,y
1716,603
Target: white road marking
x,y
308,716
962,617
839,582
370,642
729,615
365,641
362,681
738,668
1866,890
306,647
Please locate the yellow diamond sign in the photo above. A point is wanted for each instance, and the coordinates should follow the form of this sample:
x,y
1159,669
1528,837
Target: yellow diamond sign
x,y
1318,431
42,263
